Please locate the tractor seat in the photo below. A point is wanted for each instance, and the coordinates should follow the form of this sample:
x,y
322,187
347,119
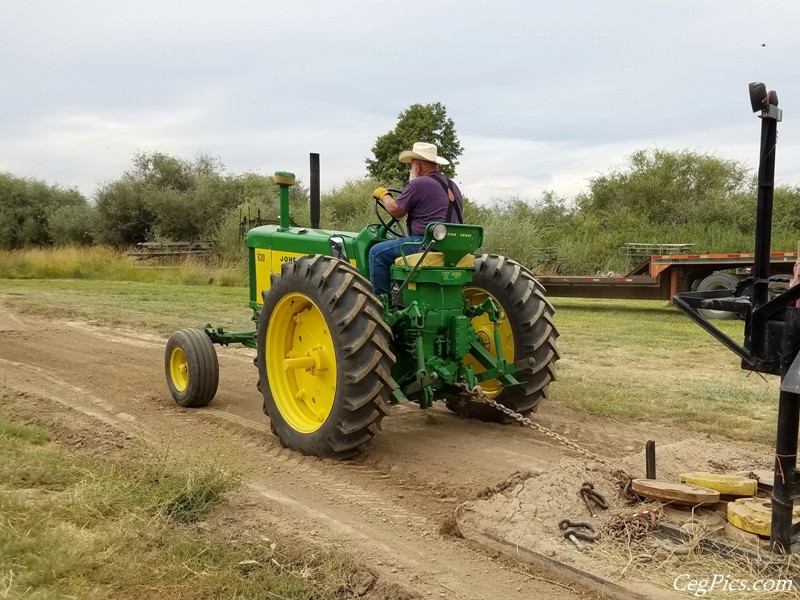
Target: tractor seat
x,y
435,259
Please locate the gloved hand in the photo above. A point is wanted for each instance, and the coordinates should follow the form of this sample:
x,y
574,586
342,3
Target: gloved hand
x,y
379,193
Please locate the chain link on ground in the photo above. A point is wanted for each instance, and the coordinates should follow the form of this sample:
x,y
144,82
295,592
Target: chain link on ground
x,y
477,392
630,528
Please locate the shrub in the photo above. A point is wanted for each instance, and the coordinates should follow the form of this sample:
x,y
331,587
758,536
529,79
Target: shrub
x,y
25,208
71,225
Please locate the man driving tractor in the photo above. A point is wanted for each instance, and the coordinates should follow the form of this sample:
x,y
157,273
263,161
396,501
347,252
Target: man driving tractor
x,y
429,197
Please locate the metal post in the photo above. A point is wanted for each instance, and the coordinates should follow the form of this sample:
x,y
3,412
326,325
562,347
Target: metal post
x,y
772,328
785,481
785,463
766,184
650,459
314,191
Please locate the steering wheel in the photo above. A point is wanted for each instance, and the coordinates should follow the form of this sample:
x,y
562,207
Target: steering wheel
x,y
393,221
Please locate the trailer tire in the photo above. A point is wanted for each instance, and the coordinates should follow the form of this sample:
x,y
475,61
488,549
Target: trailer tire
x,y
530,333
323,358
192,368
779,284
718,281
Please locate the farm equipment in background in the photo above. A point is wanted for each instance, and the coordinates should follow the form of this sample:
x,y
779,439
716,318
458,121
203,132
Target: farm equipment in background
x,y
331,356
662,276
772,326
168,251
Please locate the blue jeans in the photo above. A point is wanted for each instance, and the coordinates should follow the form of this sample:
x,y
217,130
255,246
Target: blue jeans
x,y
382,255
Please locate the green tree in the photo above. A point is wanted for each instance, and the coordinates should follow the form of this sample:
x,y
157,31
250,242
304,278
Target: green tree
x,y
71,224
418,123
668,188
123,215
25,208
163,196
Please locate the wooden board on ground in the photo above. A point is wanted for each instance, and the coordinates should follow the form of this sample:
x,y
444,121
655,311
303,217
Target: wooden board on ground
x,y
675,493
630,590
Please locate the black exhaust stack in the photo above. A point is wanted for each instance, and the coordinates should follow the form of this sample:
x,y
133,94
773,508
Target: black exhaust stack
x,y
314,191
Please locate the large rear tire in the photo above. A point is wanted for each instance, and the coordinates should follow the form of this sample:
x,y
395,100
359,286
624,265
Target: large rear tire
x,y
191,367
324,361
527,331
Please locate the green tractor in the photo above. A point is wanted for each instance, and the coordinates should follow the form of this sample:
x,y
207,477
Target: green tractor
x,y
332,356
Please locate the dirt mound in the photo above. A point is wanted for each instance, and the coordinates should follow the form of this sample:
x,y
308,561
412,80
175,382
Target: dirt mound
x,y
699,455
526,510
522,515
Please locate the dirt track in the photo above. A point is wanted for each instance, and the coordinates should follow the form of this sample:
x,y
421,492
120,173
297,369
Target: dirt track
x,y
392,505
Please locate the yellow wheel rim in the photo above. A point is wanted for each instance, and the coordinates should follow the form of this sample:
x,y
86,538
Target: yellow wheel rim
x,y
301,363
179,369
485,330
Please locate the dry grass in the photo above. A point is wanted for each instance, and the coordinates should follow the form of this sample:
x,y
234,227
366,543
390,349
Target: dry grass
x,y
80,526
102,263
668,564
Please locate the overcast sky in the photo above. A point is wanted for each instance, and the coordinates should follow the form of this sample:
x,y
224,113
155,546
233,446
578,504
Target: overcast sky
x,y
544,95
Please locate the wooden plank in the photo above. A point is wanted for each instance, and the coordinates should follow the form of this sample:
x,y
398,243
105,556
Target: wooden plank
x,y
597,583
676,493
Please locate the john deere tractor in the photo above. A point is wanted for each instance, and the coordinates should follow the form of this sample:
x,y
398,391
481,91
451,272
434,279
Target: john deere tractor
x,y
332,356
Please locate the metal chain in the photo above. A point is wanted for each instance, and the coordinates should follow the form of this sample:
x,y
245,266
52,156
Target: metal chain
x,y
631,527
478,393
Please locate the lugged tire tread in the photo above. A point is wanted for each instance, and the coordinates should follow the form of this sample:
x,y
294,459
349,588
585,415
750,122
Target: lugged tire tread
x,y
364,361
531,317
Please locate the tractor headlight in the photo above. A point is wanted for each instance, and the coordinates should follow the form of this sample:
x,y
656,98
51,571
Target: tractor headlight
x,y
439,232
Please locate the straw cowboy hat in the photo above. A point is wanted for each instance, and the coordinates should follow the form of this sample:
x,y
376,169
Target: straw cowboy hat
x,y
423,151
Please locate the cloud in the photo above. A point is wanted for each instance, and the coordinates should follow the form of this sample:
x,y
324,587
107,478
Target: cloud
x,y
543,95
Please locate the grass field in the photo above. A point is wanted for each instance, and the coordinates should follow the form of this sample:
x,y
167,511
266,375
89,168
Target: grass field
x,y
80,526
152,307
644,361
107,264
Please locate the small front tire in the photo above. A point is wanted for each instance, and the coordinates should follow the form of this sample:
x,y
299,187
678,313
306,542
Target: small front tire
x,y
191,367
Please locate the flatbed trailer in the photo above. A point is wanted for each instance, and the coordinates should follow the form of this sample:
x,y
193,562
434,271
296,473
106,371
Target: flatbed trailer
x,y
662,276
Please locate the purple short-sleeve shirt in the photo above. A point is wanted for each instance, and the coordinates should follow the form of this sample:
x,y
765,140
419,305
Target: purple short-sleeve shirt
x,y
425,201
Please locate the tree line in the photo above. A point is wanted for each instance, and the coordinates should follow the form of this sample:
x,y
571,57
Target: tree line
x,y
657,197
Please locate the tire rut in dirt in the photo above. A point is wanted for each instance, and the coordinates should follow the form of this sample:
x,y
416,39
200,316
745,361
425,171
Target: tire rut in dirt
x,y
363,360
530,317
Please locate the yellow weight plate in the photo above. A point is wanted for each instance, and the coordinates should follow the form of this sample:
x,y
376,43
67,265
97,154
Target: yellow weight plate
x,y
732,485
754,515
